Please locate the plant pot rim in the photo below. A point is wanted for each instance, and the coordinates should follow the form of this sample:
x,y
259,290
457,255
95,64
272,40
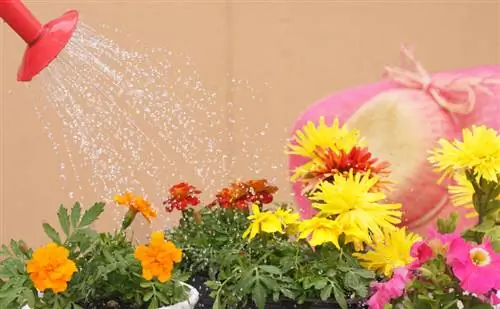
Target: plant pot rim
x,y
193,297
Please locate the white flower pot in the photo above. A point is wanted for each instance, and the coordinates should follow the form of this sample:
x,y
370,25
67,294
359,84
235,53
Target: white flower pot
x,y
192,300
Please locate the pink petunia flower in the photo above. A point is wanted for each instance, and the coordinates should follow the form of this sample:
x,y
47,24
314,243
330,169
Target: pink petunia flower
x,y
474,265
422,252
391,289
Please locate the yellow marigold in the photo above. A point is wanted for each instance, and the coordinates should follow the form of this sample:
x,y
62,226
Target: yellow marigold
x,y
136,204
50,268
264,221
479,151
322,136
289,219
158,258
351,202
321,230
390,252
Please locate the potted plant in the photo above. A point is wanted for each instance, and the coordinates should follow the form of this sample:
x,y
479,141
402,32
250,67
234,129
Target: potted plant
x,y
204,233
320,262
453,270
86,269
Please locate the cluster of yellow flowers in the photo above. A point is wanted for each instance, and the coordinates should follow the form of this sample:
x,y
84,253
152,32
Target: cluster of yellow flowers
x,y
51,267
477,152
350,203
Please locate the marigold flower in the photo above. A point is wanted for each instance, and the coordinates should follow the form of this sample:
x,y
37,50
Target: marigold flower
x,y
50,268
289,219
136,204
158,258
262,221
329,163
181,196
323,231
242,194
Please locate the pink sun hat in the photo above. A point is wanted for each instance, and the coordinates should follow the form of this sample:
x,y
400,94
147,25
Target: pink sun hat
x,y
401,119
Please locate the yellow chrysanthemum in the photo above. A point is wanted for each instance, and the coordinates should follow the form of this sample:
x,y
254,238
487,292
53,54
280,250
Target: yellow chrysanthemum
x,y
323,136
350,200
479,150
322,230
461,194
51,268
264,221
289,219
390,252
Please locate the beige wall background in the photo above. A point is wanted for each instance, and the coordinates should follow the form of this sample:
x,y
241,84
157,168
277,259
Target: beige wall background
x,y
292,52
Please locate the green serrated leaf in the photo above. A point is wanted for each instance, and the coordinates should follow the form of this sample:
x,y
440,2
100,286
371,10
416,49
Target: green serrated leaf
x,y
320,283
270,269
147,296
287,293
339,296
52,233
269,282
76,212
146,284
92,214
259,295
30,297
153,304
351,281
326,292
62,214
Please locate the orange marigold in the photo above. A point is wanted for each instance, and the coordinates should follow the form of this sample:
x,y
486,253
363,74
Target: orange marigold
x,y
242,194
158,258
50,268
181,196
136,204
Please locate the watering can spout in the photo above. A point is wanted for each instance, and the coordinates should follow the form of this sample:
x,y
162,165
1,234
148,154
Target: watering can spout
x,y
45,42
20,19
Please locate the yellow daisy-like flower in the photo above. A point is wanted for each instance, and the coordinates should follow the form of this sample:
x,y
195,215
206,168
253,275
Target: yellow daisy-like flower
x,y
390,252
289,219
461,194
353,204
51,268
264,221
323,136
479,151
323,230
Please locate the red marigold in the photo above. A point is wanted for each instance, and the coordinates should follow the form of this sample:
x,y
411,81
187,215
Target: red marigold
x,y
359,160
241,194
181,196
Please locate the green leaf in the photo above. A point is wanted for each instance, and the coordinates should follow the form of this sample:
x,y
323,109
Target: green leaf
x,y
339,296
146,284
30,297
52,233
92,214
269,282
62,214
153,304
326,292
287,293
259,295
320,283
484,227
481,306
147,296
351,281
76,212
75,306
270,269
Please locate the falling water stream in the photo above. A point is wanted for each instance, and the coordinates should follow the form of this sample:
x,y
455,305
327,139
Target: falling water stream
x,y
139,121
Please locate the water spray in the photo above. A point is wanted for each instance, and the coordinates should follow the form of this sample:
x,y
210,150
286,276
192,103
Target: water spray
x,y
45,42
